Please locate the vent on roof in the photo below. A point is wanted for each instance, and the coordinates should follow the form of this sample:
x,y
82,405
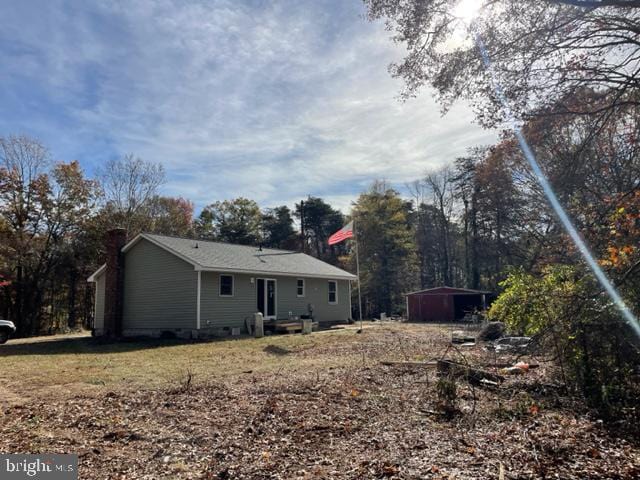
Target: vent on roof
x,y
196,245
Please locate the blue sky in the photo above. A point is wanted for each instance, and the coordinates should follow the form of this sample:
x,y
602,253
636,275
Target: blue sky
x,y
271,100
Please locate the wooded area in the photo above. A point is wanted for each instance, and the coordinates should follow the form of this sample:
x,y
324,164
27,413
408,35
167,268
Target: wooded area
x,y
564,77
570,71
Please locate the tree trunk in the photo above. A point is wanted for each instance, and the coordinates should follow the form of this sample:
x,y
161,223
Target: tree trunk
x,y
467,262
73,280
18,313
475,272
498,247
445,253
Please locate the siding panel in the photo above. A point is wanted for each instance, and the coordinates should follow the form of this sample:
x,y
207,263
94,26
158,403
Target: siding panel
x,y
98,320
159,289
217,312
318,295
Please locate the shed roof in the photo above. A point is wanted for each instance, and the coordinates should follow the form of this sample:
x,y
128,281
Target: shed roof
x,y
447,291
226,257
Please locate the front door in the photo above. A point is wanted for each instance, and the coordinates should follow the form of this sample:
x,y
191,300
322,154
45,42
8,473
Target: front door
x,y
267,297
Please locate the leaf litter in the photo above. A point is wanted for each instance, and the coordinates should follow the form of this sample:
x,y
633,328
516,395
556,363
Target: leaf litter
x,y
362,420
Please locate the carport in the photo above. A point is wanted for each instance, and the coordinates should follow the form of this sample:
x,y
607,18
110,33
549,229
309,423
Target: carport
x,y
444,304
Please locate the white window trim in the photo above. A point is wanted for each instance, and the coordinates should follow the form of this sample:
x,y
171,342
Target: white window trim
x,y
336,292
233,285
304,287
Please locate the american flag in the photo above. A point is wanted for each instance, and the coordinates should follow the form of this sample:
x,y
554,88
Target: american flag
x,y
342,234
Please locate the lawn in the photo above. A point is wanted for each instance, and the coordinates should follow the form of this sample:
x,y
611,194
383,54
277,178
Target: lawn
x,y
77,361
308,407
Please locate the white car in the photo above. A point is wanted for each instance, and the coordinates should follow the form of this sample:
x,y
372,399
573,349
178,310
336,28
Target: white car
x,y
7,328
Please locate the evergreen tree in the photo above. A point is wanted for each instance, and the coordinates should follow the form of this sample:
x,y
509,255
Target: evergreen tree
x,y
320,221
277,228
387,249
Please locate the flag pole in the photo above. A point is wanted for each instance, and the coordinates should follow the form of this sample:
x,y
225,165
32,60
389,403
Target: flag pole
x,y
355,237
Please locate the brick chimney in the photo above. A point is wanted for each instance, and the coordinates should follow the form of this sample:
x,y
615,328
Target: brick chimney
x,y
114,282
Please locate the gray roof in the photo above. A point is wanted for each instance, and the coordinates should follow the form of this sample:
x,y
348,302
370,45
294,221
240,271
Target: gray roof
x,y
218,256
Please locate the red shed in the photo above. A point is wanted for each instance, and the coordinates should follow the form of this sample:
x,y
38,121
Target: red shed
x,y
444,304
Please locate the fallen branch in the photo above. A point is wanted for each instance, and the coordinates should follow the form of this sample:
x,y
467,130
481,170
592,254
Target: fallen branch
x,y
471,374
390,363
508,364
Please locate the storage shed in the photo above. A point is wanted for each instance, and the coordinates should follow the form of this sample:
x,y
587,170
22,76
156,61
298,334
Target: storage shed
x,y
444,304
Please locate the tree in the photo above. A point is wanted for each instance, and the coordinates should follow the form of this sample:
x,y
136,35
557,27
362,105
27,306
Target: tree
x,y
129,185
386,247
320,221
423,221
622,257
170,216
497,203
43,206
435,231
541,53
234,221
467,191
587,172
439,183
277,227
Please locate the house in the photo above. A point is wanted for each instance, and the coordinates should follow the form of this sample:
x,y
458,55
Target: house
x,y
444,304
192,288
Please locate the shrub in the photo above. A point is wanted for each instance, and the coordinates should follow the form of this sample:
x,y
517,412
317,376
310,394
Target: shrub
x,y
567,311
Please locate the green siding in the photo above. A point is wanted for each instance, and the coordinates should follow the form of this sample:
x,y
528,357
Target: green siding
x,y
159,289
316,293
98,320
217,311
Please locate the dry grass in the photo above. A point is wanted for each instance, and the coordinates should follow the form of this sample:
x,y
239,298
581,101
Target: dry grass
x,y
302,407
68,364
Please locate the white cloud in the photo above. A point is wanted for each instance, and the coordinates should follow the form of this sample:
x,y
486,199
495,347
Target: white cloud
x,y
271,101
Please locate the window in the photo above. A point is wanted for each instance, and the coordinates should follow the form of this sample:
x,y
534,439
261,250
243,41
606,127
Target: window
x,y
300,287
226,285
333,291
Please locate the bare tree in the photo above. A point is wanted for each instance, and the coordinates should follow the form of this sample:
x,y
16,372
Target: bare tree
x,y
23,162
467,191
439,184
129,185
42,206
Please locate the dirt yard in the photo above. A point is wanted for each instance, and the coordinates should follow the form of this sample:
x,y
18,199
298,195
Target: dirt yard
x,y
297,407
